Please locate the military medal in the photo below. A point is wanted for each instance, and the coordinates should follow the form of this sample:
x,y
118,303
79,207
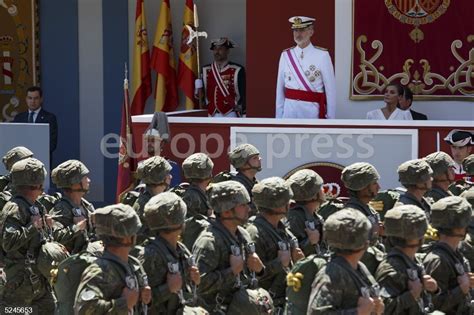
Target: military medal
x,y
307,73
312,67
312,79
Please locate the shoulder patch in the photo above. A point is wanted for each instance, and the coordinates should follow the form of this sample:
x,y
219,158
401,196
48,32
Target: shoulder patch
x,y
87,295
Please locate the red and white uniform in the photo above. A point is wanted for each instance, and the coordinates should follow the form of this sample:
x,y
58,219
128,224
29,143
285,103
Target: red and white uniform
x,y
225,88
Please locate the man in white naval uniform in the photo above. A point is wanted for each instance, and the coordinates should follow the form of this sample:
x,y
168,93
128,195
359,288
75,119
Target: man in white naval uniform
x,y
306,86
461,142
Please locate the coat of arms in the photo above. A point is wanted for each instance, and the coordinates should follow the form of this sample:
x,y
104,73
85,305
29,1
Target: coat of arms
x,y
417,12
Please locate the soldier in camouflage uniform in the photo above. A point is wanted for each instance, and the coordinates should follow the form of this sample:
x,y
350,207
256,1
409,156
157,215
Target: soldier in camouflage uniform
x,y
154,172
444,262
467,245
11,157
415,176
344,285
197,169
275,244
23,222
401,275
111,284
361,181
165,214
71,214
443,175
304,222
246,159
222,251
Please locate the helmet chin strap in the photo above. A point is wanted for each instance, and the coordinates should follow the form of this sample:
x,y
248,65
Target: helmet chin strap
x,y
85,191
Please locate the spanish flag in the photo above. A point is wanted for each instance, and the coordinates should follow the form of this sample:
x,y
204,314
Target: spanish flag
x,y
126,163
162,60
141,75
187,66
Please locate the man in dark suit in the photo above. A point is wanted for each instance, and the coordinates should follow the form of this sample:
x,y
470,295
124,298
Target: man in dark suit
x,y
406,102
37,115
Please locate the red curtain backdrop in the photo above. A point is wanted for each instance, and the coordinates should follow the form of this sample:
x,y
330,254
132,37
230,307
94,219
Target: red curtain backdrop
x,y
425,44
268,34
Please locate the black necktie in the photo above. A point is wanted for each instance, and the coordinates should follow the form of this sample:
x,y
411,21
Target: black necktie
x,y
30,117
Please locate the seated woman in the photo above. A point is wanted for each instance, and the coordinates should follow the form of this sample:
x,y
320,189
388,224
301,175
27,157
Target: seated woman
x,y
393,94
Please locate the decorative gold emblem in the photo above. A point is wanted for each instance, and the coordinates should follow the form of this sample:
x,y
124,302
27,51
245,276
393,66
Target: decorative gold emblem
x,y
417,12
369,80
297,21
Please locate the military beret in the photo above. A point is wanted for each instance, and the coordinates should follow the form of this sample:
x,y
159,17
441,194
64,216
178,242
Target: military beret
x,y
271,193
14,155
116,220
451,212
439,162
153,170
347,229
198,166
407,222
359,175
165,210
241,154
305,184
226,195
69,173
414,172
28,172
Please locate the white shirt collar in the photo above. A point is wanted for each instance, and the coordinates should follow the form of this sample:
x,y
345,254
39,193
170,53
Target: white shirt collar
x,y
35,111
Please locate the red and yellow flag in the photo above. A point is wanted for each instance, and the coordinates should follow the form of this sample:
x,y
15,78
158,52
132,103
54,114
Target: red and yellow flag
x,y
187,66
126,163
141,75
162,60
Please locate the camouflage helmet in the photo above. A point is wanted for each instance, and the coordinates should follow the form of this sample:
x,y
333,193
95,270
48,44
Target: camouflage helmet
x,y
271,193
305,184
451,212
165,210
226,195
359,175
469,196
198,166
28,172
153,170
69,173
251,301
439,162
414,172
116,220
407,222
241,154
347,229
14,155
468,165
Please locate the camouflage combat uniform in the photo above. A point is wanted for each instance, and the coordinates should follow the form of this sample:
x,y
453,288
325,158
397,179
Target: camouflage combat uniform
x,y
337,286
65,232
440,163
21,243
445,264
102,283
306,186
406,222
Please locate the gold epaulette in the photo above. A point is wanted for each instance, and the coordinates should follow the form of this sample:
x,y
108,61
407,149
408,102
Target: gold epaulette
x,y
322,48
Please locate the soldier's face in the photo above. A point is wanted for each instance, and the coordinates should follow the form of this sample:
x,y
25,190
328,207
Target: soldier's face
x,y
85,182
220,53
33,100
460,153
303,36
241,213
154,146
255,162
373,189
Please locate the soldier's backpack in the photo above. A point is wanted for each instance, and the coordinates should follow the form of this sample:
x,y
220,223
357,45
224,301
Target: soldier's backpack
x,y
384,201
49,201
68,277
222,177
299,282
180,189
